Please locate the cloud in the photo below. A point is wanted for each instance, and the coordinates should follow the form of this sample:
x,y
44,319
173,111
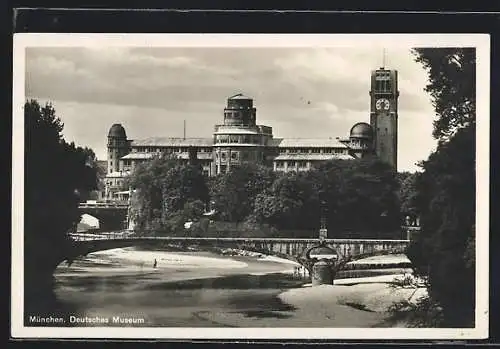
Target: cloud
x,y
300,92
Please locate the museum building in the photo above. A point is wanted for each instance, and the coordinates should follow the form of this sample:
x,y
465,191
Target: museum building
x,y
240,139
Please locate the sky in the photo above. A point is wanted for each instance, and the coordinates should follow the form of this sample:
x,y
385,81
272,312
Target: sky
x,y
304,92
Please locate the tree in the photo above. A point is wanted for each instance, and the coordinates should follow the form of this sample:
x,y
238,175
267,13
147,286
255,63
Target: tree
x,y
147,184
234,193
360,197
55,173
183,184
444,250
291,203
163,186
452,86
407,193
446,187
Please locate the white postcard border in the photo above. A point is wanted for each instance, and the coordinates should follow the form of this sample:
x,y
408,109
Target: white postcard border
x,y
480,41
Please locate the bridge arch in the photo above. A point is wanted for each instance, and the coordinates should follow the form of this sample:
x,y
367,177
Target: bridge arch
x,y
291,249
111,216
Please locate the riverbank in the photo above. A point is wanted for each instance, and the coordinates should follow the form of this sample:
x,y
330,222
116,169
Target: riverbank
x,y
362,305
203,289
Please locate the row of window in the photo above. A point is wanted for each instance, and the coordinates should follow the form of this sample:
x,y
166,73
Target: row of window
x,y
128,163
300,164
243,155
237,115
241,139
172,149
383,86
312,151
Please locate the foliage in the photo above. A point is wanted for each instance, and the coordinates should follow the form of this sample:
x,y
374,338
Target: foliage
x,y
290,203
446,200
234,193
423,313
147,183
360,196
355,195
444,250
452,86
407,192
55,174
166,193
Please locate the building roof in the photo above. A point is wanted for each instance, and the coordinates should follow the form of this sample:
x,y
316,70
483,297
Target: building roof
x,y
173,142
312,157
239,96
208,142
361,130
138,156
117,131
307,142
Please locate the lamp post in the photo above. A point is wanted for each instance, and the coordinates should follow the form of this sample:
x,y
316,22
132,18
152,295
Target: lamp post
x,y
323,230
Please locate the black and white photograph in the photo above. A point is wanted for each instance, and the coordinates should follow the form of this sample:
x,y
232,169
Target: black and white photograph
x,y
250,186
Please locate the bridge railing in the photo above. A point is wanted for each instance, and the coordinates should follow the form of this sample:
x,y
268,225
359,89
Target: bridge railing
x,y
115,204
128,235
108,235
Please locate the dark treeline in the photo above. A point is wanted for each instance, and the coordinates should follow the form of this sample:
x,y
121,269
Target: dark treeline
x,y
444,193
359,198
57,176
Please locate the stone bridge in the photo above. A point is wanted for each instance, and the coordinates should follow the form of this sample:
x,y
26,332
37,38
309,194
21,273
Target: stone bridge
x,y
292,249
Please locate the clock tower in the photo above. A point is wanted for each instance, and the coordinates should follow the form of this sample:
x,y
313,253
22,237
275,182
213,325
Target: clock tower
x,y
384,114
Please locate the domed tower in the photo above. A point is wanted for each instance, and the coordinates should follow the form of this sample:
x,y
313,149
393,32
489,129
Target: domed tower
x,y
239,139
117,147
240,111
361,139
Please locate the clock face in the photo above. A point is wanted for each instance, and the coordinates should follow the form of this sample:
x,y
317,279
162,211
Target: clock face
x,y
382,104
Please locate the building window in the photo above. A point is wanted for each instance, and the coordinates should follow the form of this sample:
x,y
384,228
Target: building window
x,y
222,138
223,155
279,163
292,163
292,151
282,150
302,164
315,151
234,155
111,163
205,173
327,151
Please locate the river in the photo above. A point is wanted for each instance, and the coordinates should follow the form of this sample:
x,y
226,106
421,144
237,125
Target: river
x,y
180,291
121,287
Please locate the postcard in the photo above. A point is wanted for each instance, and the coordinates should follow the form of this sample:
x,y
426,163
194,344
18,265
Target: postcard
x,y
250,186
